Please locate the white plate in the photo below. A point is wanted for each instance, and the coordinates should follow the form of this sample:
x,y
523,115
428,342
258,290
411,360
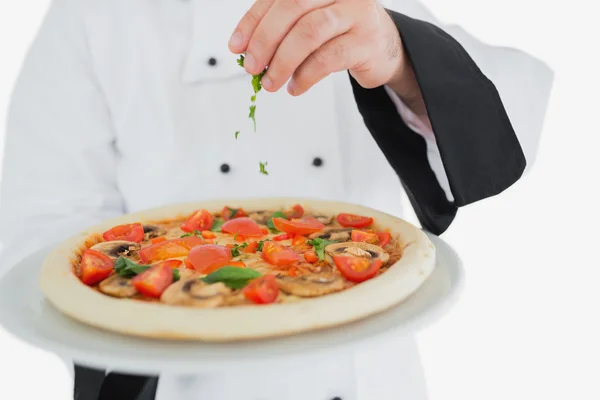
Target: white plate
x,y
25,313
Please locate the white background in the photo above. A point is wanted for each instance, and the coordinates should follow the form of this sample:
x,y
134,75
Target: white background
x,y
528,323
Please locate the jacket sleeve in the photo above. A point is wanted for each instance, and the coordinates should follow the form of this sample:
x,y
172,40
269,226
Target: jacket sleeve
x,y
59,158
474,150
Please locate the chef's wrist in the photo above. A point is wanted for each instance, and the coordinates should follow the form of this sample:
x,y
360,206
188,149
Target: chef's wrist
x,y
403,81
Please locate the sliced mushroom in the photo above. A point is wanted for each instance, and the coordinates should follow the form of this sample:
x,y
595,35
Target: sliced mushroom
x,y
324,219
333,234
117,248
358,249
153,231
311,285
261,217
117,286
193,292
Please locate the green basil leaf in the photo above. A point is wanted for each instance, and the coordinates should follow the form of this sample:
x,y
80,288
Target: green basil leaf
x,y
216,227
234,277
276,214
128,268
176,275
319,245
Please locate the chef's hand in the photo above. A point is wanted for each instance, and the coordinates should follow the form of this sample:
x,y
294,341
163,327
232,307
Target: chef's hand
x,y
309,39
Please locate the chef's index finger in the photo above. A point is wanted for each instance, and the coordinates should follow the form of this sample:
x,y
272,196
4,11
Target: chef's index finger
x,y
274,27
245,28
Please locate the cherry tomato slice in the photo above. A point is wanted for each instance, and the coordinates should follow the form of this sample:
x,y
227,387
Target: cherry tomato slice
x,y
154,281
353,221
200,220
242,226
170,263
311,256
276,254
174,248
284,236
239,264
208,235
158,239
384,238
251,248
303,226
296,212
209,258
367,237
94,267
263,290
298,240
231,213
356,269
128,232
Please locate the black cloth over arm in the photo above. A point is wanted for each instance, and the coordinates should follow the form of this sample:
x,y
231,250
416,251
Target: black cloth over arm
x,y
479,149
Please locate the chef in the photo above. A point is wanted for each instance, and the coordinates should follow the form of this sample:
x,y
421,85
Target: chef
x,y
127,105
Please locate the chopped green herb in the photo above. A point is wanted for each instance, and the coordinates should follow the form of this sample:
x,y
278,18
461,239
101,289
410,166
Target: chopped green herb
x,y
235,251
263,168
252,115
176,275
235,236
237,133
234,277
216,227
270,225
260,244
128,268
256,84
319,245
240,61
196,233
232,212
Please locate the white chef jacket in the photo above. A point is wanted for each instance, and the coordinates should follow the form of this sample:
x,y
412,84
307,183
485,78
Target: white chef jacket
x,y
124,105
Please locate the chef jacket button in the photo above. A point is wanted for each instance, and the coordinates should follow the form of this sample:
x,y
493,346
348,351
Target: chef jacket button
x,y
225,168
337,398
317,161
212,61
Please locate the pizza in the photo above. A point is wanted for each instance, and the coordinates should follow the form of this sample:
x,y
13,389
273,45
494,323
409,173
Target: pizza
x,y
236,270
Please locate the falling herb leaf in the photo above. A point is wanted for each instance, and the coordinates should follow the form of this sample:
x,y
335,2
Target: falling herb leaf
x,y
263,168
256,86
256,81
240,61
252,115
237,133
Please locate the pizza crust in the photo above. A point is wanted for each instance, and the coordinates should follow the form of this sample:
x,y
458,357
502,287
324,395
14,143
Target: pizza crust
x,y
155,320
